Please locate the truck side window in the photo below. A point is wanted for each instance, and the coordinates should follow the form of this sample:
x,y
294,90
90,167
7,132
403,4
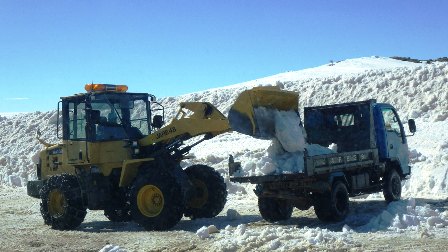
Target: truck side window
x,y
390,121
344,120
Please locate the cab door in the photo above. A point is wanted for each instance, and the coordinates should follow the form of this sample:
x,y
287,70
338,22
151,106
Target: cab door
x,y
391,138
75,136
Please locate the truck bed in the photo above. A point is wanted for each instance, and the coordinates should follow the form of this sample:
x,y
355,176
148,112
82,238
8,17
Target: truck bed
x,y
320,165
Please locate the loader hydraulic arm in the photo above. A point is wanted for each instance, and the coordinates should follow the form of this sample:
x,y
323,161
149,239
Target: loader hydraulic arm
x,y
192,119
202,118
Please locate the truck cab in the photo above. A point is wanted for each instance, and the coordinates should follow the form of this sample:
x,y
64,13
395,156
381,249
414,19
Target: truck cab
x,y
391,137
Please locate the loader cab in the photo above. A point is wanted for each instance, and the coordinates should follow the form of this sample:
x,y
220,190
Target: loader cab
x,y
106,116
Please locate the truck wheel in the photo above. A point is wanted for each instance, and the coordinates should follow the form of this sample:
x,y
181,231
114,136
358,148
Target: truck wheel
x,y
117,215
273,209
392,186
156,200
62,206
210,193
332,206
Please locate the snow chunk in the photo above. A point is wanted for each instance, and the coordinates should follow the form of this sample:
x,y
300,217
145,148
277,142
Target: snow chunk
x,y
203,232
112,248
232,214
288,131
212,229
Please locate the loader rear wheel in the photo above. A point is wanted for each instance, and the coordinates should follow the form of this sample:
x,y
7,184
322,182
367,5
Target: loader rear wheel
x,y
156,201
392,186
118,215
334,205
210,193
273,209
62,207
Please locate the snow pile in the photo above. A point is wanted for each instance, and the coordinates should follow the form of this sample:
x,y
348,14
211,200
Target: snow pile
x,y
19,147
285,154
279,238
275,160
406,214
397,217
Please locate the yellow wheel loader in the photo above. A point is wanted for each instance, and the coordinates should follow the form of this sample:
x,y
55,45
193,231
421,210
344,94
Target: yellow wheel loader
x,y
117,156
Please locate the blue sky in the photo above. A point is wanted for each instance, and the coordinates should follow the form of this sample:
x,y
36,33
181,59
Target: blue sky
x,y
50,49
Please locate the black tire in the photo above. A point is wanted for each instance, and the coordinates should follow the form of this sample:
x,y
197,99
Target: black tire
x,y
62,206
273,209
392,186
118,215
210,192
334,205
156,200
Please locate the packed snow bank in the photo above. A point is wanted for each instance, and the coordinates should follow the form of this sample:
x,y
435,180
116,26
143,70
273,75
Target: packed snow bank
x,y
19,147
406,214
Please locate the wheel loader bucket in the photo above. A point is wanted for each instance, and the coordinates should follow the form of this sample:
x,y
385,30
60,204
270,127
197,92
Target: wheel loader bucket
x,y
251,112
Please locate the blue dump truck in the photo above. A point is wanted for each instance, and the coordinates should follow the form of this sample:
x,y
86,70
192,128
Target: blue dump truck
x,y
372,156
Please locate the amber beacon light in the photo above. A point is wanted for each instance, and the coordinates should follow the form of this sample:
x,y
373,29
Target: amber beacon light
x,y
105,88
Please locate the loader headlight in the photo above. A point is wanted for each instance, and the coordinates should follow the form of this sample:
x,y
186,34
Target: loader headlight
x,y
136,151
105,88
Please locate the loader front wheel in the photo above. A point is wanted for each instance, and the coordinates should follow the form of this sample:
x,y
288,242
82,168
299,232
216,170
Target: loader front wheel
x,y
156,201
62,207
209,195
273,209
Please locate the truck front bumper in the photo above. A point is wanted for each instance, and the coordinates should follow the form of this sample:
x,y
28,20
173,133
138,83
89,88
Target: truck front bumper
x,y
33,188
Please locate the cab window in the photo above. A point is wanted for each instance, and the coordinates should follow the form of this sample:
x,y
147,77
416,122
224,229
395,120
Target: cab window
x,y
77,122
391,121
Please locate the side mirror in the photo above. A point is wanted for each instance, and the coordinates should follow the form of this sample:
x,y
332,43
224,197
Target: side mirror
x,y
412,127
93,116
157,121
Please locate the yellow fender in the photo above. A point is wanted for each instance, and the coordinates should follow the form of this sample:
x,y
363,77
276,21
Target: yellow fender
x,y
130,170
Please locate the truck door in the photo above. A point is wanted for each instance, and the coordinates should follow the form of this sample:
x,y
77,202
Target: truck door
x,y
391,138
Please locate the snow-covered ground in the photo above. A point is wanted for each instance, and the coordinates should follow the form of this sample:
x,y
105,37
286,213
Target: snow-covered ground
x,y
418,91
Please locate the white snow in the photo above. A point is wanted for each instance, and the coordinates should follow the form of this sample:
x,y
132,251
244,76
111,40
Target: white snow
x,y
205,232
277,237
233,214
406,214
418,91
112,248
